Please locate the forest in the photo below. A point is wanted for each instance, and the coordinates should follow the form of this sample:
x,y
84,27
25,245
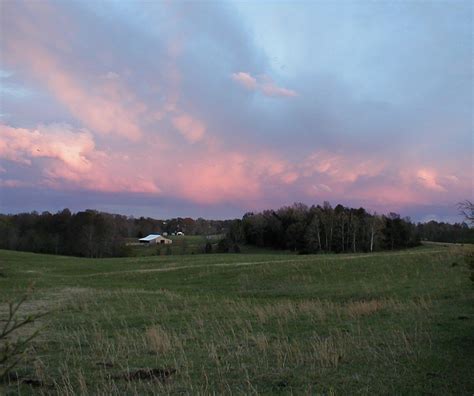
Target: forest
x,y
298,228
325,229
340,229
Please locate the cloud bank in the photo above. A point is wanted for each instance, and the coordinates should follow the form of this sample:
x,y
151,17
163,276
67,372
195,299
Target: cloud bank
x,y
198,106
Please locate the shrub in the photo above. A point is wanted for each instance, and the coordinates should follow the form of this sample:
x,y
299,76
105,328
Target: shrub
x,y
208,248
223,246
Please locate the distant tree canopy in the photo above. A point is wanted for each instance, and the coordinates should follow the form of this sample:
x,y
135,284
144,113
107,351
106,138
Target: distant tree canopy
x,y
90,233
298,228
324,229
445,232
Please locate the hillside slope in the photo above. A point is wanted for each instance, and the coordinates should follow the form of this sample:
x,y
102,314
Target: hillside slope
x,y
385,323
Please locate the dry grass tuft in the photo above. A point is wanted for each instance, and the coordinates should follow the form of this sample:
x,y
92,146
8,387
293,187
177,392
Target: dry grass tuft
x,y
356,309
283,310
329,351
158,339
316,309
261,342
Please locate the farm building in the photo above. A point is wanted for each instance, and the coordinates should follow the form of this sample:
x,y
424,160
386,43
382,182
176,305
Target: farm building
x,y
155,239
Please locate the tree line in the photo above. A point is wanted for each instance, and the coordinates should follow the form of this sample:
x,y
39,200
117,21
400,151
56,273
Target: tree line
x,y
445,232
299,228
91,233
325,229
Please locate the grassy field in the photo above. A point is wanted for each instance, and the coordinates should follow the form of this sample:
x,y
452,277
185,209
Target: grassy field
x,y
384,323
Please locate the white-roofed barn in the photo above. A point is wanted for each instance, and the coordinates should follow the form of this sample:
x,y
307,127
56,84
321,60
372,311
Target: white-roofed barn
x,y
155,239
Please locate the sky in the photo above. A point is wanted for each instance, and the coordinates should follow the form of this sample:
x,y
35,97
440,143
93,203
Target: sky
x,y
216,108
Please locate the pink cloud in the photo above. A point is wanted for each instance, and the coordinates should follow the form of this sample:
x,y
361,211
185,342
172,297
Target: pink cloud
x,y
428,178
104,113
269,88
217,178
72,160
289,177
389,196
319,188
209,174
68,158
104,103
273,168
245,79
263,84
341,168
387,182
57,141
105,106
191,128
13,183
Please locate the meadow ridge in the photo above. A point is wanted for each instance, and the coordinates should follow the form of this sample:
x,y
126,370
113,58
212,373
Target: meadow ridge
x,y
397,322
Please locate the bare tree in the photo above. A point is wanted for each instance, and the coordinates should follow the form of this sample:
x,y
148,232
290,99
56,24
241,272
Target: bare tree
x,y
466,208
313,235
376,225
13,350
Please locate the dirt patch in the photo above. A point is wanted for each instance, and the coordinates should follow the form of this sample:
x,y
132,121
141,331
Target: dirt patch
x,y
15,378
105,364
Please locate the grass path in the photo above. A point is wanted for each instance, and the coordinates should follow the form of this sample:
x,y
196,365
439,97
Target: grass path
x,y
297,259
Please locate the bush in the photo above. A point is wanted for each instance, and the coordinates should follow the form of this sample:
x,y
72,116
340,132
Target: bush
x,y
223,246
208,248
304,251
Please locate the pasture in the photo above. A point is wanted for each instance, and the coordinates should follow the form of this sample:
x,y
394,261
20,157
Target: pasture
x,y
383,323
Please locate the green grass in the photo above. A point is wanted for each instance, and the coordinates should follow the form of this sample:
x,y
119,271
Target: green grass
x,y
383,323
